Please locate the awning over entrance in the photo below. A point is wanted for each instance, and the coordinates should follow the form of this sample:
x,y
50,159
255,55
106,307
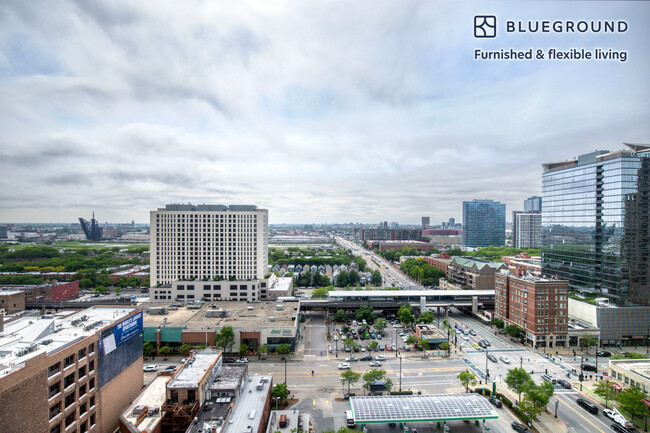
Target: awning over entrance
x,y
617,386
420,408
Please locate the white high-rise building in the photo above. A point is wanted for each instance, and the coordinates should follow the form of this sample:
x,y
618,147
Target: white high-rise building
x,y
528,229
225,245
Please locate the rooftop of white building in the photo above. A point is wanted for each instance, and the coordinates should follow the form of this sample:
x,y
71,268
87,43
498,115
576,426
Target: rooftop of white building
x,y
29,336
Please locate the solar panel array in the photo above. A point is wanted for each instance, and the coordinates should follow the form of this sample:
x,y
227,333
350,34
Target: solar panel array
x,y
420,408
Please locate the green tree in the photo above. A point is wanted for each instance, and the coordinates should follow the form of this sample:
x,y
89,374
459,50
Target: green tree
x,y
405,315
320,293
373,345
85,283
411,339
317,280
529,408
243,348
185,349
350,377
538,395
427,317
606,390
263,349
467,379
280,390
375,375
631,400
343,279
518,380
148,348
353,277
380,324
376,279
588,341
423,344
340,316
283,349
445,346
225,338
365,312
513,331
165,350
498,322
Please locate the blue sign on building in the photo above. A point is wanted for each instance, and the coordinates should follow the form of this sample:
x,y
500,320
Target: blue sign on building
x,y
128,328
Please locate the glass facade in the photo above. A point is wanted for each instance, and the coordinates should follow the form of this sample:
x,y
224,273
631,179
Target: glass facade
x,y
583,222
484,223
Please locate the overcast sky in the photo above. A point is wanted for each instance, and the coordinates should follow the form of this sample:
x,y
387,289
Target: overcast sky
x,y
320,111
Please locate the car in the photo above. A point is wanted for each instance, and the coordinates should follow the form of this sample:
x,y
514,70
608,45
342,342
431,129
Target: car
x,y
604,354
563,383
351,359
344,366
171,367
366,358
372,336
519,427
379,337
387,346
336,338
364,322
393,346
347,349
354,323
375,364
464,337
588,406
589,367
482,344
397,325
367,336
492,357
495,401
622,429
608,413
228,360
380,358
472,332
151,367
242,361
504,359
381,348
476,346
362,348
487,343
362,337
356,349
406,348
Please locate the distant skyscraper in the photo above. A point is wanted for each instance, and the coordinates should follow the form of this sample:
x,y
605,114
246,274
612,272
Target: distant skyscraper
x,y
426,221
587,238
452,222
92,230
528,229
533,204
484,223
514,226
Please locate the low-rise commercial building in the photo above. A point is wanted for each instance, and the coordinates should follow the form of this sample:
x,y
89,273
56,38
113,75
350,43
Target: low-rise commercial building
x,y
71,371
428,332
624,373
52,291
254,324
538,306
619,325
12,301
440,262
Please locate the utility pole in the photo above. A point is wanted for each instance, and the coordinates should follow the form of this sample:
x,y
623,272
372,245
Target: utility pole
x,y
487,372
581,376
400,373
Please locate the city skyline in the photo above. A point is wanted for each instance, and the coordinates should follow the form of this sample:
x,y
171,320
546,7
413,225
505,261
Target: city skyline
x,y
352,113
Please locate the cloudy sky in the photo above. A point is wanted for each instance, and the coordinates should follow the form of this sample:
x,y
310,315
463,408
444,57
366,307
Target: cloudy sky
x,y
320,111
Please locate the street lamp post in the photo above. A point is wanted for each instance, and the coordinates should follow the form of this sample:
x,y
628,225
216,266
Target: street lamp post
x,y
521,362
557,403
400,373
285,369
581,376
487,372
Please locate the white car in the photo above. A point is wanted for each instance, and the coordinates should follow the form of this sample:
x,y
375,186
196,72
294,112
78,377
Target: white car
x,y
504,359
398,325
344,366
242,361
152,367
464,337
375,364
336,338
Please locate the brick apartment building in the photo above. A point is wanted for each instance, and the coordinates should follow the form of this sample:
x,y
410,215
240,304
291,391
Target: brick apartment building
x,y
48,292
523,264
474,274
539,306
69,372
441,262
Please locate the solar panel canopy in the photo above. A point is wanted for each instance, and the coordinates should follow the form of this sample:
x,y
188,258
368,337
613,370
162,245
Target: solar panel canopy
x,y
414,408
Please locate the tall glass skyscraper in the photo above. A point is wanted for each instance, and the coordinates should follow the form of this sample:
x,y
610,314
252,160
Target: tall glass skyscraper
x,y
584,220
484,223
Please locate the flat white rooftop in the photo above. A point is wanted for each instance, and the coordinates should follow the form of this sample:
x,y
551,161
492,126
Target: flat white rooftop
x,y
194,369
249,405
406,293
30,336
153,396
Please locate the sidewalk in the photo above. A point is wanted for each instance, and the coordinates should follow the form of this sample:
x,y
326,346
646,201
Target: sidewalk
x,y
545,423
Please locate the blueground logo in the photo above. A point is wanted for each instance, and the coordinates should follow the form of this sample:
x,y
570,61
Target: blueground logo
x,y
485,26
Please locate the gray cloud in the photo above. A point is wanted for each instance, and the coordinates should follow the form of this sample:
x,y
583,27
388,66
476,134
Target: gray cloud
x,y
319,111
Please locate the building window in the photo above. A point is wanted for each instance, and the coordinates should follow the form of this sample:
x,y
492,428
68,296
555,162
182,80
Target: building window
x,y
191,396
68,380
173,396
69,399
92,419
84,427
92,401
69,420
55,410
82,371
91,348
82,390
54,390
67,362
83,408
53,369
56,429
91,366
81,354
91,383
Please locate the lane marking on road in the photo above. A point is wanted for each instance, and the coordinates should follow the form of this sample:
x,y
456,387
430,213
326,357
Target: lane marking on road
x,y
581,416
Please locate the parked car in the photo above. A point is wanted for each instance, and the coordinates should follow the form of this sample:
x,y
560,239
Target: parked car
x,y
344,366
151,367
587,405
604,354
563,383
351,359
379,337
375,364
242,361
171,367
228,360
504,359
388,347
492,357
398,325
381,348
519,427
495,401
